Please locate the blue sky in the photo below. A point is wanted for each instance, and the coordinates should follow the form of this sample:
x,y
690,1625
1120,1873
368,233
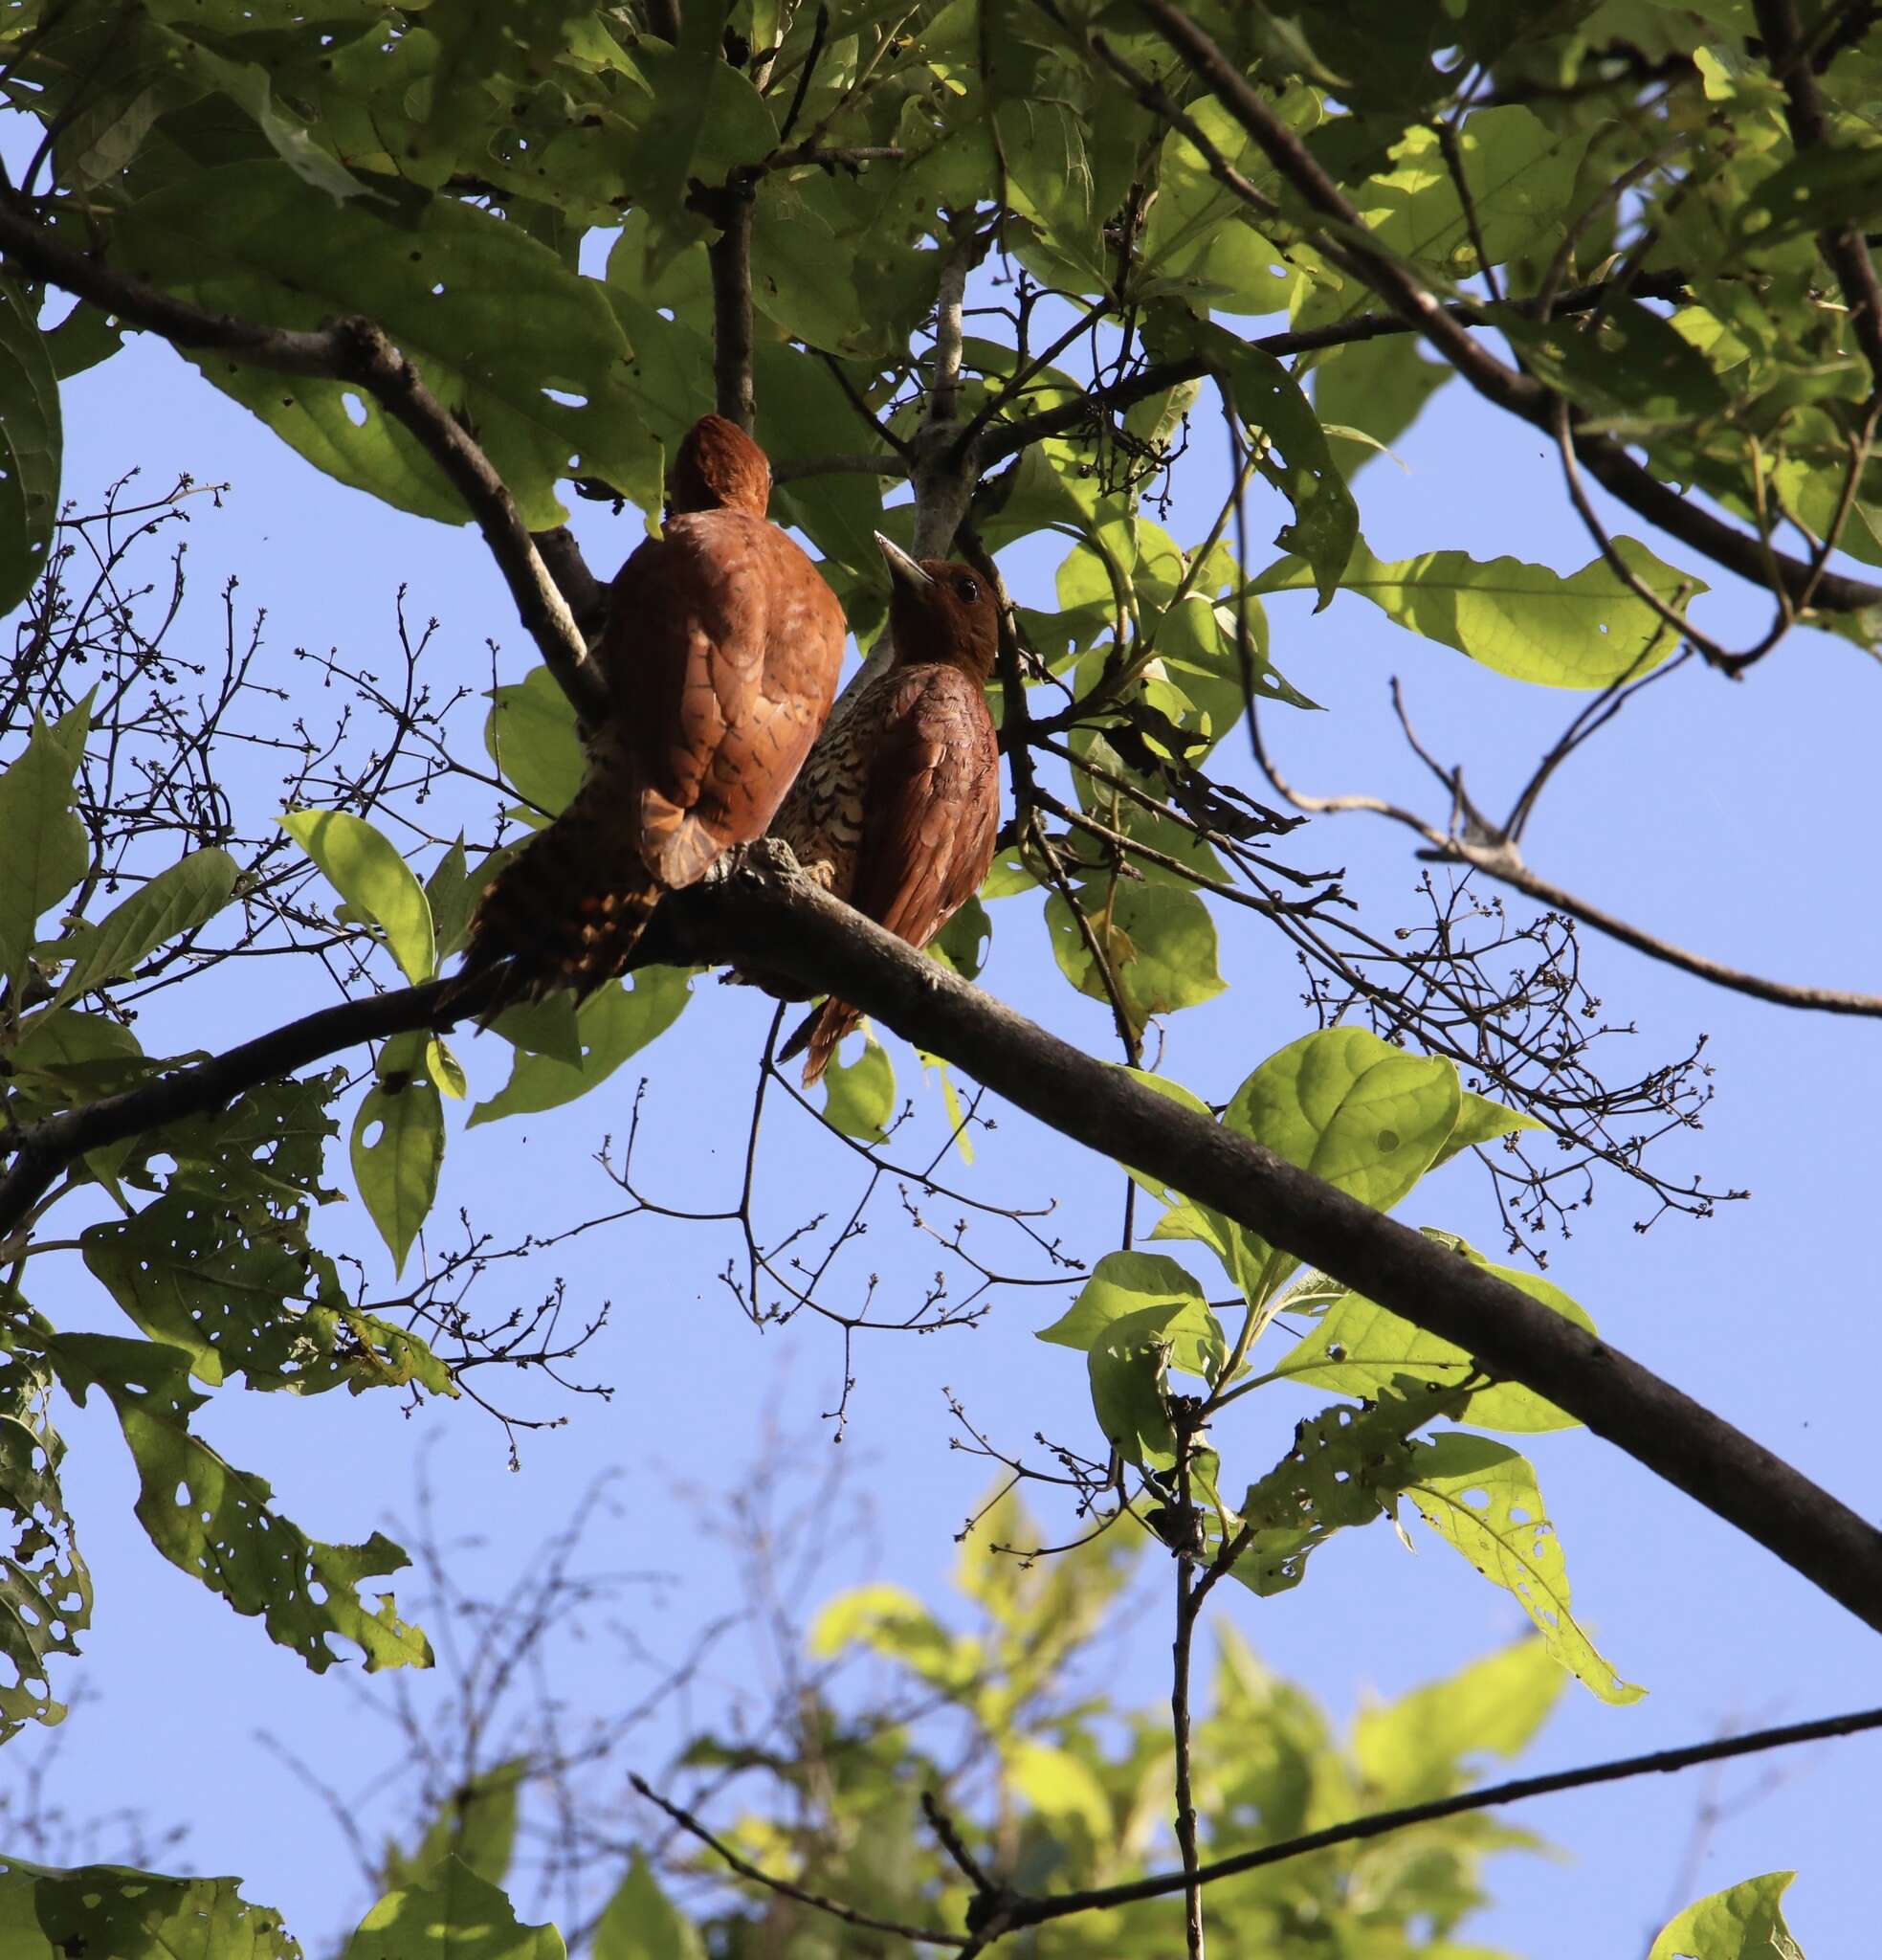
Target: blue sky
x,y
1733,819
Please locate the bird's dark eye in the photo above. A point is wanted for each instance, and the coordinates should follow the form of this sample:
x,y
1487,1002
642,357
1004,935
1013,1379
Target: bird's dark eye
x,y
969,590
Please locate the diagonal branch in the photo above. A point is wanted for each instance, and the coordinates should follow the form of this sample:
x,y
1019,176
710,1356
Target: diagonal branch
x,y
1025,1912
359,352
761,915
1606,459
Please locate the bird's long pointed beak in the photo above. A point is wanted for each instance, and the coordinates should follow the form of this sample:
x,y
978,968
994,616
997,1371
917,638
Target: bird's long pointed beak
x,y
902,569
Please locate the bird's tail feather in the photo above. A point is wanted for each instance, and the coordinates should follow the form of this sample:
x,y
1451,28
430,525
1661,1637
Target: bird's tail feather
x,y
821,1033
567,910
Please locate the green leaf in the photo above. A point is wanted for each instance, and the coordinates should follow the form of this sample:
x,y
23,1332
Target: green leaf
x,y
1137,1316
641,1923
45,1591
1159,941
214,1522
1745,1922
398,1146
859,1097
1358,1345
455,1916
477,1823
1521,172
43,846
247,84
1483,1499
452,892
1352,1109
118,1913
889,1620
1825,187
1416,1749
1377,388
531,737
1062,1789
611,1025
1291,450
31,443
1344,1469
1124,1285
508,339
1481,1121
367,872
1579,630
179,899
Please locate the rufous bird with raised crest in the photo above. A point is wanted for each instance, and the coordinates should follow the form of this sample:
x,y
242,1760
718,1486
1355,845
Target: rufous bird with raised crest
x,y
896,811
721,656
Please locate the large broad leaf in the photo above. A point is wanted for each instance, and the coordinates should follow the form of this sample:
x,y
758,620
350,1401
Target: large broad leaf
x,y
1581,629
43,848
530,735
45,1591
179,899
859,1097
454,1916
1290,446
114,1912
398,1145
1373,390
610,1026
1158,941
1483,1499
476,1825
29,447
1521,173
367,872
1350,1108
215,1521
1745,1922
1420,1746
641,1923
1357,1345
513,342
1346,1466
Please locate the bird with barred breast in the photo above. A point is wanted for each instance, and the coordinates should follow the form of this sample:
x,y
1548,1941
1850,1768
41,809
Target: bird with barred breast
x,y
720,658
897,810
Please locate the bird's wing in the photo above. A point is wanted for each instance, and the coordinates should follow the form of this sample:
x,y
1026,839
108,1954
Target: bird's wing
x,y
722,653
931,807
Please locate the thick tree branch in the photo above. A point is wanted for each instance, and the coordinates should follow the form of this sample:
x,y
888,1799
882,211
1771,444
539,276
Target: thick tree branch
x,y
730,207
761,916
359,352
1518,394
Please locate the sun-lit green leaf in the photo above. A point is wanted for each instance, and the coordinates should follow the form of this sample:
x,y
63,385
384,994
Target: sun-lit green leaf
x,y
455,1915
859,1097
45,1590
366,871
1418,1747
1483,1499
111,1909
477,1823
397,1145
1745,1922
1348,1107
31,444
43,847
216,1523
1126,1283
610,1025
176,902
526,351
1482,1120
1581,630
531,737
1159,943
1357,1345
1344,1469
641,1923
